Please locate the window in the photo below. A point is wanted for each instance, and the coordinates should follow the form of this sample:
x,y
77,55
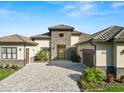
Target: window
x,y
9,52
61,35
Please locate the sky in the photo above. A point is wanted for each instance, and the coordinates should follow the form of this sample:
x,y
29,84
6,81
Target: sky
x,y
31,18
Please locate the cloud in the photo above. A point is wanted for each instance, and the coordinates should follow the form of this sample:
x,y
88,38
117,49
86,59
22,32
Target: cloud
x,y
7,12
56,2
117,4
80,5
76,9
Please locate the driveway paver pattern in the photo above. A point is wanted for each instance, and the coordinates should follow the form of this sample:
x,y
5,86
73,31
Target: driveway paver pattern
x,y
40,77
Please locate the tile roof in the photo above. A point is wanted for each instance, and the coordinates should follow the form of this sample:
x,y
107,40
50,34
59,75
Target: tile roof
x,y
42,36
84,38
61,27
108,34
113,33
16,39
76,32
48,36
120,36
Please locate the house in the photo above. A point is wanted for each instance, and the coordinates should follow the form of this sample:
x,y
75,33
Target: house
x,y
59,41
16,49
104,49
108,47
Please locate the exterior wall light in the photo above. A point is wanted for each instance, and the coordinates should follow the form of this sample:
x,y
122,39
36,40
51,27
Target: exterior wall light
x,y
122,52
20,49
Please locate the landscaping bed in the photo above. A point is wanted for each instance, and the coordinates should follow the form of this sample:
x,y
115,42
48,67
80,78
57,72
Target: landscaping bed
x,y
92,80
104,87
112,89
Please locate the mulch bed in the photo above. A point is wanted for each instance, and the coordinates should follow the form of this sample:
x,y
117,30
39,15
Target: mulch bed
x,y
106,84
103,85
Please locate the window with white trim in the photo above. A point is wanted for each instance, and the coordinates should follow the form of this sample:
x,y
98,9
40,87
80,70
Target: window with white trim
x,y
9,52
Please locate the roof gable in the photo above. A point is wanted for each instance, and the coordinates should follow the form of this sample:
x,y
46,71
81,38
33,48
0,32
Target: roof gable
x,y
107,34
16,39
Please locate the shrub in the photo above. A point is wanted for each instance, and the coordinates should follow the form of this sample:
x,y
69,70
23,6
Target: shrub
x,y
93,75
122,79
74,56
14,66
90,78
4,65
42,55
7,66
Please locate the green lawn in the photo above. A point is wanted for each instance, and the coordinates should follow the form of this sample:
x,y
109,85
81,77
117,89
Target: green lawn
x,y
111,89
114,89
4,72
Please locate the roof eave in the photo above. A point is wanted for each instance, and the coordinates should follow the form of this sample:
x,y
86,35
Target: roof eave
x,y
60,29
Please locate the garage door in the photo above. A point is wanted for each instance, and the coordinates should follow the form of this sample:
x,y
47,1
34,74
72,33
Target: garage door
x,y
88,57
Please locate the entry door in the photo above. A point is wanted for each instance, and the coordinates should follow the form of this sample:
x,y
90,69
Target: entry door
x,y
61,49
27,55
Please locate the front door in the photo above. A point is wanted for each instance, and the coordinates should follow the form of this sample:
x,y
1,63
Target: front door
x,y
61,49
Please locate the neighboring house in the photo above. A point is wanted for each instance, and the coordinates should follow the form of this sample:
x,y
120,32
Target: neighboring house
x,y
16,49
108,45
59,41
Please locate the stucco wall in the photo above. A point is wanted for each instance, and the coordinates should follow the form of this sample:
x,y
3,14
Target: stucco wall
x,y
41,43
114,54
74,40
104,54
83,46
120,56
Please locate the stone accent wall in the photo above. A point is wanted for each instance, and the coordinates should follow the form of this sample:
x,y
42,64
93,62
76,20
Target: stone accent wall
x,y
56,40
20,63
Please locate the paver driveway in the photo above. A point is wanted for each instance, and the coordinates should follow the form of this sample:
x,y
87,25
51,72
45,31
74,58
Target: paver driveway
x,y
42,77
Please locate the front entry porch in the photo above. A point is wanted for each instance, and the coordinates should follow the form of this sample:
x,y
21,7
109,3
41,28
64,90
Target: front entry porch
x,y
68,65
61,52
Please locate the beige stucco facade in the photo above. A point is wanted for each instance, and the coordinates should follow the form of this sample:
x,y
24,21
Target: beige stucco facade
x,y
109,54
41,43
120,56
104,54
74,40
